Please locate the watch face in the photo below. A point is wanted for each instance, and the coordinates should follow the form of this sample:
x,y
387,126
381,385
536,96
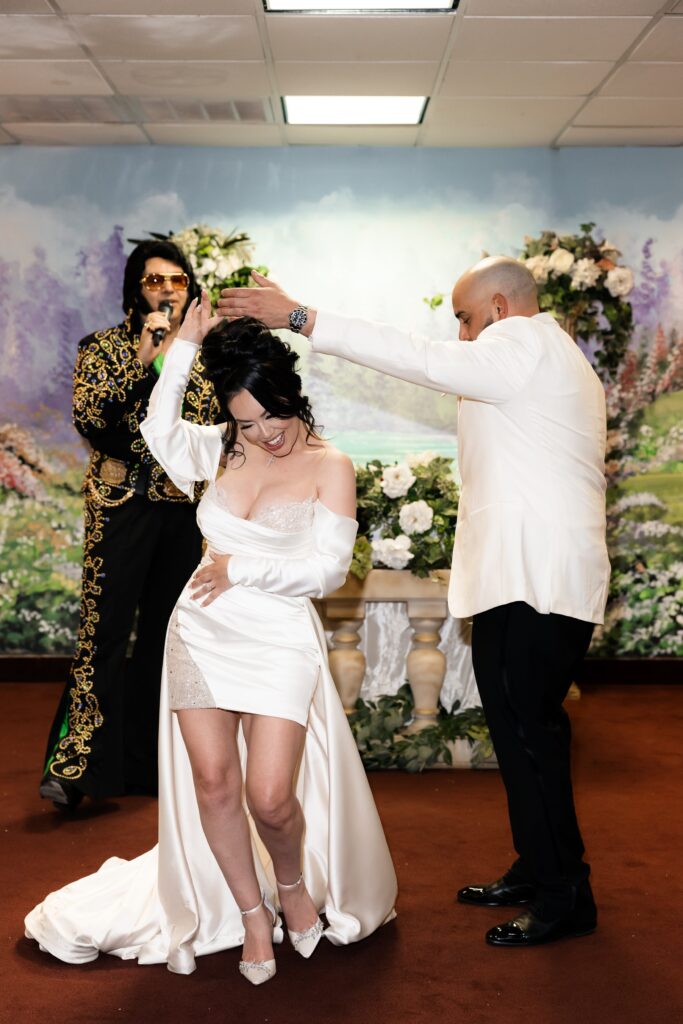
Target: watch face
x,y
297,319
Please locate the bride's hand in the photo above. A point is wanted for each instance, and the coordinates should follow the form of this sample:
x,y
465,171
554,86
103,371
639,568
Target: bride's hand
x,y
198,320
211,581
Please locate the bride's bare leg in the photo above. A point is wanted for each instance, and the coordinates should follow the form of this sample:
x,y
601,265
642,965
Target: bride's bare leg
x,y
275,746
210,736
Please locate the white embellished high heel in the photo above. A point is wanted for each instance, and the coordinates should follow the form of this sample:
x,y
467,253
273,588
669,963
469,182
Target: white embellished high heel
x,y
258,971
304,942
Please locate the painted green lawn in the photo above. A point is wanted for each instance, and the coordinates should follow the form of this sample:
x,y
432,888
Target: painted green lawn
x,y
665,413
666,483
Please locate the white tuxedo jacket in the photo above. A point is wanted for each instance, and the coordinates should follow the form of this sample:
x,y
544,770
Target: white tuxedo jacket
x,y
531,450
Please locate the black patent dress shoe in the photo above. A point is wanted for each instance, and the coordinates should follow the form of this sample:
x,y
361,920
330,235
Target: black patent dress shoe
x,y
63,794
530,930
502,893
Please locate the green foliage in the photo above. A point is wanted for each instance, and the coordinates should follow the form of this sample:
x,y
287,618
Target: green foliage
x,y
435,301
376,728
41,544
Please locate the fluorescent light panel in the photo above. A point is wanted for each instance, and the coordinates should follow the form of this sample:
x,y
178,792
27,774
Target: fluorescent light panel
x,y
354,109
358,5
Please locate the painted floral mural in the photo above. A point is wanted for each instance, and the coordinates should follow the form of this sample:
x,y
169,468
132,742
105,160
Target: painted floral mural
x,y
376,256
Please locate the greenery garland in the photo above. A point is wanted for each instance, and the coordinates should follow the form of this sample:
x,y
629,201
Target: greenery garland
x,y
376,729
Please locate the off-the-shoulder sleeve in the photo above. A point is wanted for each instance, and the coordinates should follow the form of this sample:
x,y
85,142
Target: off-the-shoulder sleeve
x,y
188,452
494,369
321,572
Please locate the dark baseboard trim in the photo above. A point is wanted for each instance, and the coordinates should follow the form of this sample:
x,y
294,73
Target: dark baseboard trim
x,y
34,668
49,668
602,671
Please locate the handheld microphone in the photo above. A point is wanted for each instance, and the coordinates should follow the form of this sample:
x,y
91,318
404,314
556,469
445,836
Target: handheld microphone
x,y
160,333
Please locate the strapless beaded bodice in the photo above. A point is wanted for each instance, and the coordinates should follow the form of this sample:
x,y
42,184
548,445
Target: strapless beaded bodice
x,y
287,517
284,530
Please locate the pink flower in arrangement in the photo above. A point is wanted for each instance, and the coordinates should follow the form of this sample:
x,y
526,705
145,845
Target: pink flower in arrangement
x,y
21,463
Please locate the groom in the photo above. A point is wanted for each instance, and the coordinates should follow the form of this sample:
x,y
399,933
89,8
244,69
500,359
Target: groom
x,y
530,563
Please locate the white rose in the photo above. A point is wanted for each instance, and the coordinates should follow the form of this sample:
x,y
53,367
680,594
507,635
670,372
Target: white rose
x,y
619,281
538,265
208,266
223,269
560,261
394,552
421,458
397,480
416,517
585,274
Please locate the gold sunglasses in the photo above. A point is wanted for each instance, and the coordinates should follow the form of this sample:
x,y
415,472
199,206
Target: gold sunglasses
x,y
154,282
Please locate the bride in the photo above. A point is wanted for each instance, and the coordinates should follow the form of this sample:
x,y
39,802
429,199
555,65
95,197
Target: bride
x,y
263,801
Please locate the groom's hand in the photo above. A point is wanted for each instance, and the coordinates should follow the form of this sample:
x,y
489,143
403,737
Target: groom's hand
x,y
268,303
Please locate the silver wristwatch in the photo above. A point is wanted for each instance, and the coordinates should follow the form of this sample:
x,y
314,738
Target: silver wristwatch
x,y
297,319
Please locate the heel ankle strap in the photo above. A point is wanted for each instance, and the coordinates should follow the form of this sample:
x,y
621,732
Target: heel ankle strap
x,y
253,910
292,885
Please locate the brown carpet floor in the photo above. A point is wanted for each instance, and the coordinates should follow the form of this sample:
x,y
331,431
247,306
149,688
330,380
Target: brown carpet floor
x,y
445,829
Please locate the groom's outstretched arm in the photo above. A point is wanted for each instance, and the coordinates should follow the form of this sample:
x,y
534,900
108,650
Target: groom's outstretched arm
x,y
492,369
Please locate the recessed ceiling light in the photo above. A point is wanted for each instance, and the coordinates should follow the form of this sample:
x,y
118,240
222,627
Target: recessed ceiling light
x,y
354,109
358,6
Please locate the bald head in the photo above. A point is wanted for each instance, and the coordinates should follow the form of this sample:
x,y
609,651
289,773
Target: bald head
x,y
491,290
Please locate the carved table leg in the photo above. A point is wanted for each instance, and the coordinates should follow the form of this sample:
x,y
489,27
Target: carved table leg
x,y
426,671
347,663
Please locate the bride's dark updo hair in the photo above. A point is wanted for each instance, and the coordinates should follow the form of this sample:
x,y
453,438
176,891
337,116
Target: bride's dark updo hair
x,y
243,355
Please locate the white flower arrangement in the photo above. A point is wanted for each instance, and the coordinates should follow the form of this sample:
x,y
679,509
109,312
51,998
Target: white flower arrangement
x,y
581,284
416,517
414,459
406,515
397,480
619,281
539,267
394,552
584,274
219,259
560,261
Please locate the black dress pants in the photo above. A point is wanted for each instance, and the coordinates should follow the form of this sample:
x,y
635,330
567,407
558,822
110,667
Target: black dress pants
x,y
524,663
137,558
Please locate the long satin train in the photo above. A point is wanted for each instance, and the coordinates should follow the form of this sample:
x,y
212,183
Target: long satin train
x,y
172,904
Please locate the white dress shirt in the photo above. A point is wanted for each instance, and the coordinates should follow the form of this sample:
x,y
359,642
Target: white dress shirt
x,y
531,450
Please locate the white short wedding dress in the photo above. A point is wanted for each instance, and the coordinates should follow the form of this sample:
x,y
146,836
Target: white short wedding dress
x,y
258,648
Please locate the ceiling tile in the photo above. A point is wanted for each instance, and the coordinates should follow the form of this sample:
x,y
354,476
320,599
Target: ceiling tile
x,y
78,134
618,110
155,6
395,37
500,121
364,78
214,134
523,78
36,36
568,8
51,78
546,38
639,79
664,42
164,38
206,80
622,137
25,7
